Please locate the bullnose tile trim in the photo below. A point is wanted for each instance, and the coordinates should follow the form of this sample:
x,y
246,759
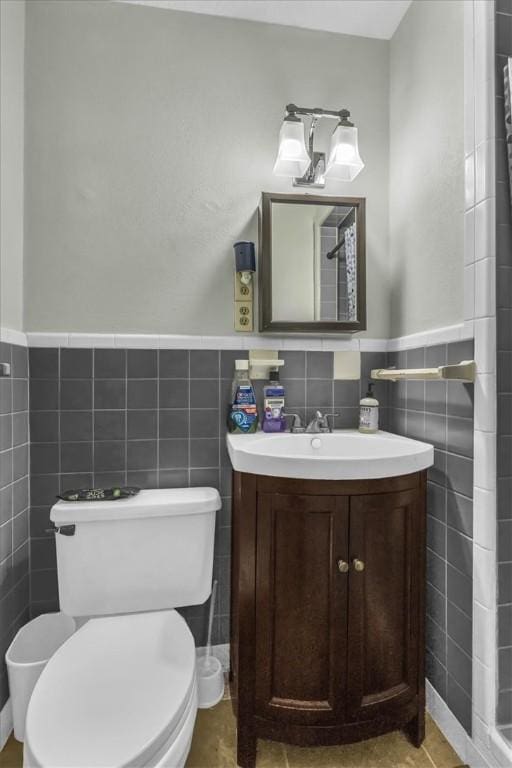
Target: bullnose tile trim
x,y
431,337
10,336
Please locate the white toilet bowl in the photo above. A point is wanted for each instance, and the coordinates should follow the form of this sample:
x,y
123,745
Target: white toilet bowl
x,y
120,692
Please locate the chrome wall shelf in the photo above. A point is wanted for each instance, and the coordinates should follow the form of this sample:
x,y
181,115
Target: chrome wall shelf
x,y
464,371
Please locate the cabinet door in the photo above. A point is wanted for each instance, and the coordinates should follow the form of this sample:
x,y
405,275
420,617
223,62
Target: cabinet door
x,y
385,602
301,607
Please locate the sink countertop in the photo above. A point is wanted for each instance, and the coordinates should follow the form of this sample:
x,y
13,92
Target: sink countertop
x,y
345,454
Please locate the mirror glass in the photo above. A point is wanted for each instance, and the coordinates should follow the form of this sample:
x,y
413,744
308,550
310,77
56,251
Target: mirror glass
x,y
314,252
314,274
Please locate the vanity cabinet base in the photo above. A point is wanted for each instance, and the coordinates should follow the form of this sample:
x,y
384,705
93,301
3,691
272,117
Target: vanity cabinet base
x,y
327,614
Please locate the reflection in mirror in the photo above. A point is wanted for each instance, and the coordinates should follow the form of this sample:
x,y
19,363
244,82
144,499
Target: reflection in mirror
x,y
337,294
315,258
314,274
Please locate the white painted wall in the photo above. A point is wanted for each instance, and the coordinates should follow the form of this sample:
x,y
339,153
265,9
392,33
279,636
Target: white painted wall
x,y
12,52
426,189
150,137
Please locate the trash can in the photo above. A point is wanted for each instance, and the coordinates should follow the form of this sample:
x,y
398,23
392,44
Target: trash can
x,y
34,644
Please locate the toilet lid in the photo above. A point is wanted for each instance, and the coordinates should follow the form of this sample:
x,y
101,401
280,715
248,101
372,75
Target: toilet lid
x,y
113,693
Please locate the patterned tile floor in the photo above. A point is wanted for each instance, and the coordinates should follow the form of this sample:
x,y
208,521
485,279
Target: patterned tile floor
x,y
214,747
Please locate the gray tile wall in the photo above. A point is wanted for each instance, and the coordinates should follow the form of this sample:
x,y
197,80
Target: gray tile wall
x,y
504,336
441,413
154,419
14,502
328,275
157,419
113,416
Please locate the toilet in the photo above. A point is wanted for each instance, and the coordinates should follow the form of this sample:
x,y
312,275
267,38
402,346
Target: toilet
x,y
122,691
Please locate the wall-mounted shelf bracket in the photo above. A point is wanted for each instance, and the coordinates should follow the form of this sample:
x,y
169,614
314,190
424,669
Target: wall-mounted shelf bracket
x,y
5,369
464,371
261,362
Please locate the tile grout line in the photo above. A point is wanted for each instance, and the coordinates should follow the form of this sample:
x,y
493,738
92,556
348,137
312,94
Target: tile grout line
x,y
428,755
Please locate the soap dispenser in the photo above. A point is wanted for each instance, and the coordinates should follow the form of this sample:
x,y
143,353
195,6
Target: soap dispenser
x,y
369,412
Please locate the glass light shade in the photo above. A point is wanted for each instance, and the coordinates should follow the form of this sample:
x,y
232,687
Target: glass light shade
x,y
344,159
292,156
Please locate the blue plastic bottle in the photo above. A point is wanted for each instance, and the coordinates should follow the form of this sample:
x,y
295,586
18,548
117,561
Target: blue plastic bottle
x,y
243,413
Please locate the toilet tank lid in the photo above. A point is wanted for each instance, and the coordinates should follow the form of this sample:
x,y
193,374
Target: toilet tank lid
x,y
162,502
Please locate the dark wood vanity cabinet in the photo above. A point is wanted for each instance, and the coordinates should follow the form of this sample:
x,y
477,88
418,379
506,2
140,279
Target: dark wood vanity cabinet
x,y
327,632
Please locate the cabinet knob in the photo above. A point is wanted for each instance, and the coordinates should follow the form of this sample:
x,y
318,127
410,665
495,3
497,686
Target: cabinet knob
x,y
358,564
343,566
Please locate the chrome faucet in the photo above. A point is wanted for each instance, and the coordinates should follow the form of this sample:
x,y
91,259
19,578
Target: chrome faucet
x,y
297,427
320,423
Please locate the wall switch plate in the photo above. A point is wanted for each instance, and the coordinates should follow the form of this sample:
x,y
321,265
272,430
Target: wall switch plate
x,y
243,292
347,365
243,316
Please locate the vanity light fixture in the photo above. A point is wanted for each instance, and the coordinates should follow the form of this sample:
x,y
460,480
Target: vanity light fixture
x,y
303,164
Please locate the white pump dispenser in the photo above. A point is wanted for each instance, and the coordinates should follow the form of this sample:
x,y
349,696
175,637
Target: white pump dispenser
x,y
369,412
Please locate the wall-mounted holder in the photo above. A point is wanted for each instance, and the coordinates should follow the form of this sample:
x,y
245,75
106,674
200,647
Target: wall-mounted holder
x,y
464,371
261,362
245,267
5,369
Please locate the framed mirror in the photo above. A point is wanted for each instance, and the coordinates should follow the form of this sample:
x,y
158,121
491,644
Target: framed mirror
x,y
312,274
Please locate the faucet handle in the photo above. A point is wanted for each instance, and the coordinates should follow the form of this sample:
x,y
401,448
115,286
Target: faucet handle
x,y
296,426
327,417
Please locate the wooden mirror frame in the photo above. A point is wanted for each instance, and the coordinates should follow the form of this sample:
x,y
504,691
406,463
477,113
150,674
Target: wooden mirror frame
x,y
266,324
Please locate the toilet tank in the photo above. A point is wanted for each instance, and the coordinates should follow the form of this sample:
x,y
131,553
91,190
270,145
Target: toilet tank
x,y
148,552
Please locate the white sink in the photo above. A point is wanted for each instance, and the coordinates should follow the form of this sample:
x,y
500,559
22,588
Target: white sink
x,y
344,454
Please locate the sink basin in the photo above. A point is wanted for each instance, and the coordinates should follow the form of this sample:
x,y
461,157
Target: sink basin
x,y
344,454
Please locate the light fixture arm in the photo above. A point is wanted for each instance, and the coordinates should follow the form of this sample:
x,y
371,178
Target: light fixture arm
x,y
309,176
316,112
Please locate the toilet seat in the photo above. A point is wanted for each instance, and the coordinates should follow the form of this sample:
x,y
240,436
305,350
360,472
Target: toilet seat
x,y
118,693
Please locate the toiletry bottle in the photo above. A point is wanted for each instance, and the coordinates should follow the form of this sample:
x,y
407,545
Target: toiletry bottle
x,y
243,413
273,405
369,412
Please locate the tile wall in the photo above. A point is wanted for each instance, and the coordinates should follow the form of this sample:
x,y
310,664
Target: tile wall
x,y
14,502
503,43
441,413
153,418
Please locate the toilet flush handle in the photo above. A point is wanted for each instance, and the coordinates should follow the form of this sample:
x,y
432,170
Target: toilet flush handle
x,y
65,530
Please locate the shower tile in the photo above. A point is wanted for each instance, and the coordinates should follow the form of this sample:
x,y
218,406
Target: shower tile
x,y
44,363
142,393
174,393
76,425
459,590
109,363
319,365
141,454
174,363
109,455
109,394
109,425
75,363
142,364
204,364
142,425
